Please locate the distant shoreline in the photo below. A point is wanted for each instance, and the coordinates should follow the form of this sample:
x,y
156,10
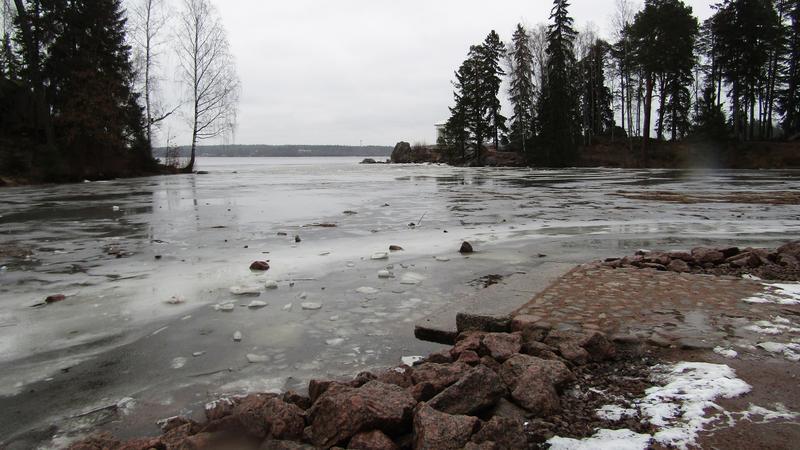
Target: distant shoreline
x,y
280,151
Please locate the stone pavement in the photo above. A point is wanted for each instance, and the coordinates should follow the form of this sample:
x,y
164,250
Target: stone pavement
x,y
661,307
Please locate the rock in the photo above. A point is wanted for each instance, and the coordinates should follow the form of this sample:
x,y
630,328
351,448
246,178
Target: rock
x,y
404,153
176,300
551,372
271,284
524,321
506,433
678,265
598,346
259,266
219,408
237,336
536,395
385,274
469,357
342,413
368,161
505,408
466,248
372,440
694,344
256,304
442,357
659,340
439,375
482,322
265,416
479,389
434,430
791,249
539,349
55,298
395,248
467,341
292,397
171,423
422,392
398,376
704,255
626,339
573,353
272,444
501,346
318,387
379,256
311,306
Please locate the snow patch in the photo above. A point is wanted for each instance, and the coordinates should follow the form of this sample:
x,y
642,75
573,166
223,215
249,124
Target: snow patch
x,y
603,440
782,294
726,352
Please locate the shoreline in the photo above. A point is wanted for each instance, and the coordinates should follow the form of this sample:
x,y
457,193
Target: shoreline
x,y
451,386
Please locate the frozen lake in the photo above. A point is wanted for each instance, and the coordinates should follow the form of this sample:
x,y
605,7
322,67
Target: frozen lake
x,y
121,250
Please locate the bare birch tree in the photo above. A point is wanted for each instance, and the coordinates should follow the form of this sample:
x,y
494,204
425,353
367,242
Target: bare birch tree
x,y
208,72
149,19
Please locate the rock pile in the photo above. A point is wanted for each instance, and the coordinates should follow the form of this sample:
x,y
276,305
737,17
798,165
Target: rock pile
x,y
782,263
483,393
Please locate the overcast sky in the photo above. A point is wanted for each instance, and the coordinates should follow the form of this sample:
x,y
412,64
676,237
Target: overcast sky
x,y
364,71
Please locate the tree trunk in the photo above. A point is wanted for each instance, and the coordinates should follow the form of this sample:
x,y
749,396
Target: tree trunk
x,y
648,105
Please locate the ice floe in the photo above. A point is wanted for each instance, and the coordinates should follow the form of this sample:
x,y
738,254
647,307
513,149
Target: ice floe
x,y
410,360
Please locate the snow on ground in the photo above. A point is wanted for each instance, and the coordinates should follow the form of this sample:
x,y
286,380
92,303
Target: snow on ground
x,y
677,407
782,294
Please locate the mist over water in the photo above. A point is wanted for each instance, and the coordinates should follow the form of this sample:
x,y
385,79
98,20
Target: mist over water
x,y
193,237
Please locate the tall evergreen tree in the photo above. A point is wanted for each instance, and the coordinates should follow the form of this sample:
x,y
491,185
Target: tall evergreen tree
x,y
598,118
522,90
789,101
98,121
490,55
558,109
747,33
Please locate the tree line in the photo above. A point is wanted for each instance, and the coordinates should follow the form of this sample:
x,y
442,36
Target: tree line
x,y
663,76
79,90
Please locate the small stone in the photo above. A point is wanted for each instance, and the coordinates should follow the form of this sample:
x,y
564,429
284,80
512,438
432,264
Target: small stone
x,y
259,266
55,298
175,300
466,247
311,306
395,248
385,274
237,336
297,239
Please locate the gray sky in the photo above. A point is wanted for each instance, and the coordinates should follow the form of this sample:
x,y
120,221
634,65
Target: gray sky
x,y
365,71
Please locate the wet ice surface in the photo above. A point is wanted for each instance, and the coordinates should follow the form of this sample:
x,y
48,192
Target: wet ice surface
x,y
147,328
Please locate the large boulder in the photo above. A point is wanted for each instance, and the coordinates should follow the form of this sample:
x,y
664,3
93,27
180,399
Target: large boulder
x,y
792,249
501,346
371,440
434,430
265,416
341,413
439,376
404,153
551,372
536,395
480,388
504,432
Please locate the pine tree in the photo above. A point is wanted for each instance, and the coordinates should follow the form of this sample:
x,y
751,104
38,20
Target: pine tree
x,y
598,118
98,121
558,105
748,34
490,54
789,101
522,90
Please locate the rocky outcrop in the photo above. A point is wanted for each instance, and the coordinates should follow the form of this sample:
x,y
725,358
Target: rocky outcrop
x,y
404,153
476,395
781,264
